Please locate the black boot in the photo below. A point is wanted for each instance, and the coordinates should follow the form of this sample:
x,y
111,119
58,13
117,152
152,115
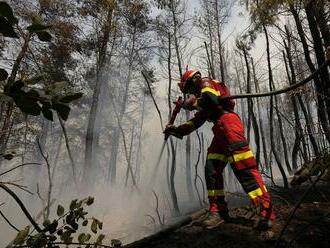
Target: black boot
x,y
212,220
263,224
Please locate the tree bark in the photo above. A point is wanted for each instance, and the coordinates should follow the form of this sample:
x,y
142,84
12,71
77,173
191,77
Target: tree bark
x,y
250,107
271,112
298,128
283,139
101,62
188,139
261,126
217,19
311,13
321,110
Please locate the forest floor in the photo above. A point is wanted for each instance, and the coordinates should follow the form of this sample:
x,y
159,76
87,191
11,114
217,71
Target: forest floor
x,y
310,226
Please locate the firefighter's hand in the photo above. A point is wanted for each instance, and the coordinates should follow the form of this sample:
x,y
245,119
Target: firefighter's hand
x,y
172,130
188,104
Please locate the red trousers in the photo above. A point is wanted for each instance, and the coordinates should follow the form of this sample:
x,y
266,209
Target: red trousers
x,y
229,145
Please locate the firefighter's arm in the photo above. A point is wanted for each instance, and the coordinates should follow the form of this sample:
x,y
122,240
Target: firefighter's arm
x,y
188,127
209,98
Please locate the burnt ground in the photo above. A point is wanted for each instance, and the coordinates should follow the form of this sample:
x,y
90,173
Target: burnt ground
x,y
310,226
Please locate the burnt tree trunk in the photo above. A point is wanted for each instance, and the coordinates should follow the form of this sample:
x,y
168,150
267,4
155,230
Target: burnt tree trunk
x,y
298,128
321,109
101,62
250,107
261,126
221,65
271,113
311,13
188,139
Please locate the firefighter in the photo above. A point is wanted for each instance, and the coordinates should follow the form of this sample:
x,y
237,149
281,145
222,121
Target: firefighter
x,y
229,145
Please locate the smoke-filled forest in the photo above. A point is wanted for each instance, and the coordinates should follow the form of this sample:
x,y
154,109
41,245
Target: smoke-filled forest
x,y
164,123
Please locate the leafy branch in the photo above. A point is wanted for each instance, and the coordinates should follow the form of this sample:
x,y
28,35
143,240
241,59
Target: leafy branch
x,y
30,101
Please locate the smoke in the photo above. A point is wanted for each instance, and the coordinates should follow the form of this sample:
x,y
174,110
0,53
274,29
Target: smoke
x,y
127,211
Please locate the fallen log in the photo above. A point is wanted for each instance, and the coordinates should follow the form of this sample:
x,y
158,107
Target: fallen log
x,y
311,168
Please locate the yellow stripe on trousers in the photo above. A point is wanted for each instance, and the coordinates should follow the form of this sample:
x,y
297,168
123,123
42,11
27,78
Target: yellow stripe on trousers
x,y
241,156
217,156
215,192
255,193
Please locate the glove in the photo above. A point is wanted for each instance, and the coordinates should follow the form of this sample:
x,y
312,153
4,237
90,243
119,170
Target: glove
x,y
188,104
172,130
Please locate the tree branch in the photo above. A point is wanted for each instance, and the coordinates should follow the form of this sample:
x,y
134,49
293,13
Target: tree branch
x,y
8,222
18,166
21,205
50,182
153,99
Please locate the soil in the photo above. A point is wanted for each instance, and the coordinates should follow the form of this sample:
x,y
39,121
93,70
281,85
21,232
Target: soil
x,y
310,226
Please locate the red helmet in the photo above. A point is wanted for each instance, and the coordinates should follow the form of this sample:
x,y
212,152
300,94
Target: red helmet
x,y
186,77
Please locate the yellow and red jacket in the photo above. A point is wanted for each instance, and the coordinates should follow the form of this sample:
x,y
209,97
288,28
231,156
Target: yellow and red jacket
x,y
208,105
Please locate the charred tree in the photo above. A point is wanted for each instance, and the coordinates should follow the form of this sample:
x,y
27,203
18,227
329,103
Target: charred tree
x,y
260,119
319,87
101,62
250,106
271,112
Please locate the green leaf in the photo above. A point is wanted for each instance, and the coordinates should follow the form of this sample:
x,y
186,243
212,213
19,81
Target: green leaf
x,y
33,94
99,239
47,113
44,36
35,28
73,204
82,238
19,84
70,98
52,238
38,240
8,156
62,109
60,210
3,74
21,236
99,224
88,237
52,227
27,106
66,237
14,88
70,219
90,200
80,211
75,226
85,223
94,226
6,28
116,243
78,206
46,223
7,12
